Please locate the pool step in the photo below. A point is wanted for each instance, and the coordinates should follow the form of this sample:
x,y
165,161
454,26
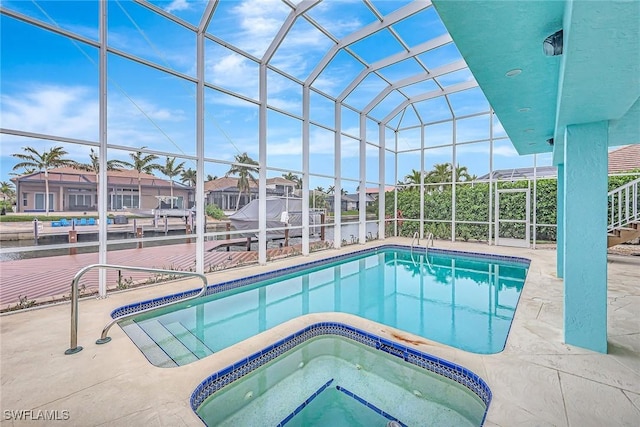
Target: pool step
x,y
149,348
168,342
190,341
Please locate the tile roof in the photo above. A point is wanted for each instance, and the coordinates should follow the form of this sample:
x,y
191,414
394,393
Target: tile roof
x,y
624,159
229,182
115,177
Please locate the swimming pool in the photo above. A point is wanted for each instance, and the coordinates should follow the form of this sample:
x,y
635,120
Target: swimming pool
x,y
333,374
460,299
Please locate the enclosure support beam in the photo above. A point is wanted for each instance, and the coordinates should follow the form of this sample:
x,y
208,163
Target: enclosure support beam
x,y
305,170
199,196
337,183
560,223
454,164
396,229
585,238
422,175
362,193
102,172
382,180
262,174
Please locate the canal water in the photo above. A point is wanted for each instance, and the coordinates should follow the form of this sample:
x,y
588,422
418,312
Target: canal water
x,y
39,250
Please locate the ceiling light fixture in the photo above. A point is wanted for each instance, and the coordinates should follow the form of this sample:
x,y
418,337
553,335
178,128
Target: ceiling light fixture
x,y
552,45
528,130
524,109
514,72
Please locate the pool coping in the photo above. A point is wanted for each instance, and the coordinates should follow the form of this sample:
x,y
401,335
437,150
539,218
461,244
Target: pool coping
x,y
249,280
439,366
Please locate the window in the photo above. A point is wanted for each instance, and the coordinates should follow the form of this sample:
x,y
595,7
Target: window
x,y
25,199
40,202
125,198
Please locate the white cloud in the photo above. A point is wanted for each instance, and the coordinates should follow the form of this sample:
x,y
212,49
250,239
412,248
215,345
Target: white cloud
x,y
505,150
73,112
177,5
234,72
258,22
320,142
338,25
50,109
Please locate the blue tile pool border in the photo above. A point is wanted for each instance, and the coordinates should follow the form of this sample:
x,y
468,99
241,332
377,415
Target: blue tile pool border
x,y
231,373
250,280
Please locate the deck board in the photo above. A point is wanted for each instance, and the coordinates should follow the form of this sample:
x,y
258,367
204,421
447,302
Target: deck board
x,y
41,278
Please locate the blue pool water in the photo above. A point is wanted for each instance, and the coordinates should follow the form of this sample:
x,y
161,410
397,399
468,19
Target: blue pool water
x,y
463,301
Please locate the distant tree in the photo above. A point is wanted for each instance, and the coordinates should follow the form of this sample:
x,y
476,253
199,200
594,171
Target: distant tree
x,y
25,171
441,173
6,188
94,165
414,178
244,169
320,189
294,178
32,159
211,177
462,174
171,169
188,177
331,189
142,163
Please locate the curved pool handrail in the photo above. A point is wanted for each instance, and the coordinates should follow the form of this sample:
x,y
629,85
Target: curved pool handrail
x,y
416,237
74,348
429,239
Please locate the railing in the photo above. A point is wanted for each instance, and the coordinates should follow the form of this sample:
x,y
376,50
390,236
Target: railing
x,y
74,348
429,239
416,237
624,205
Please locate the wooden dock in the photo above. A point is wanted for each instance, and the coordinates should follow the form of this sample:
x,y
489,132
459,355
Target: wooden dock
x,y
49,278
227,243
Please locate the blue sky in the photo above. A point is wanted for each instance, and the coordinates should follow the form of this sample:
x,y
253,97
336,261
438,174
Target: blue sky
x,y
49,86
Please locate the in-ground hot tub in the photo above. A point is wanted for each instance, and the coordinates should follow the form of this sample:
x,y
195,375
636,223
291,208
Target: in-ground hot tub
x,y
334,374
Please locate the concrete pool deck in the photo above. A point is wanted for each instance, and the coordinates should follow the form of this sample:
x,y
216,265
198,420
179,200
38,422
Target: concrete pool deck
x,y
536,380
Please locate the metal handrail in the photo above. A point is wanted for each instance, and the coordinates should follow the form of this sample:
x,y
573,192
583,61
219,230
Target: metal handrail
x,y
416,235
429,239
623,205
74,348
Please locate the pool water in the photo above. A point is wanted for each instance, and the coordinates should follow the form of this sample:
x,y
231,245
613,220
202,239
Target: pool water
x,y
459,300
335,381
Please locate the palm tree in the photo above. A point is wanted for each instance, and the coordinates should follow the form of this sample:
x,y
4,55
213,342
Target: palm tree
x,y
331,189
414,178
170,169
188,177
294,178
462,174
94,165
441,173
142,163
244,173
320,189
6,188
44,161
26,171
211,177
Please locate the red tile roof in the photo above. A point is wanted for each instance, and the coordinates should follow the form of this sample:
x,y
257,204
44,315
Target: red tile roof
x,y
624,159
115,177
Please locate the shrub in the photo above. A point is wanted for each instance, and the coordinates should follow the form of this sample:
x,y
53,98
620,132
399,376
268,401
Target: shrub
x,y
215,212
